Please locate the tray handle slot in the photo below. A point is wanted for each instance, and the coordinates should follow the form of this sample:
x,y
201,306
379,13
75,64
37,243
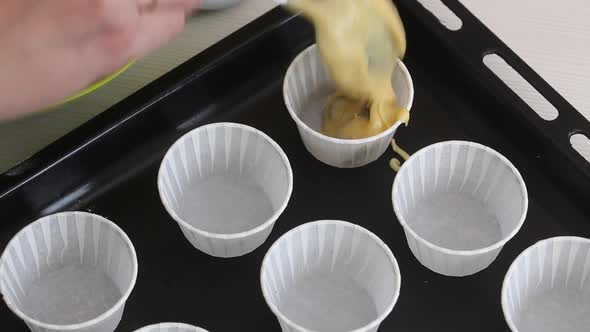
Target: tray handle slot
x,y
581,143
474,41
568,120
558,119
535,100
520,86
443,13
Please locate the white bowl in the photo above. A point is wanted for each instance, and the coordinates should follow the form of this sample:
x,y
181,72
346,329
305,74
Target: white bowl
x,y
225,184
305,89
459,203
547,287
330,276
71,271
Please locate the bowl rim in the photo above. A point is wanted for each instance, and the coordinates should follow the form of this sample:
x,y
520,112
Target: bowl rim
x,y
96,85
114,308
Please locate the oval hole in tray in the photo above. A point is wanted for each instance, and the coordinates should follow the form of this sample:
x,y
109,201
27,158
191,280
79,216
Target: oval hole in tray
x,y
581,143
443,13
520,86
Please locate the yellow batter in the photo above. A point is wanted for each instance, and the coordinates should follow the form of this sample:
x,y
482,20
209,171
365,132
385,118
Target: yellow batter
x,y
394,163
359,41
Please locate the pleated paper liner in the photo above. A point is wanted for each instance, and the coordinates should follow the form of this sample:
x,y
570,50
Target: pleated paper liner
x,y
170,327
306,88
330,276
459,203
547,288
71,271
225,185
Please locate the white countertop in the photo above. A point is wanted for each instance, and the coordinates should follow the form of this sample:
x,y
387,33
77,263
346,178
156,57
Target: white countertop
x,y
553,37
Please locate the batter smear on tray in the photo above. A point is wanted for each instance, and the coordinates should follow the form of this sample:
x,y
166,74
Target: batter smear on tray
x,y
360,42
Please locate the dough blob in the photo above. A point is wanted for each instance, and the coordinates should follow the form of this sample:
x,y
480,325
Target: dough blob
x,y
359,42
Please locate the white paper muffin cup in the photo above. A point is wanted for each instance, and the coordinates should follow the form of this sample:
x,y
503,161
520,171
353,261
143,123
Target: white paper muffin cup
x,y
547,288
171,327
71,271
225,185
330,276
459,203
305,89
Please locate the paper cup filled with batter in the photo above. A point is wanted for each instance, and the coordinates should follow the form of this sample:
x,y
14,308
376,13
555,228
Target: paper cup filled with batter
x,y
70,271
170,327
459,203
306,89
225,185
547,288
330,276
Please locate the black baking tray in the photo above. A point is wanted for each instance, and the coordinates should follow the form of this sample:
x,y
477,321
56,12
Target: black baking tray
x,y
109,166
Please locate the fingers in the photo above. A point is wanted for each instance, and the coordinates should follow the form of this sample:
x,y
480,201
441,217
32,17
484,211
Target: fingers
x,y
160,21
155,29
69,44
131,33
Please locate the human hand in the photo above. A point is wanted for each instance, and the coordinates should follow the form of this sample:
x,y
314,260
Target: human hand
x,y
49,49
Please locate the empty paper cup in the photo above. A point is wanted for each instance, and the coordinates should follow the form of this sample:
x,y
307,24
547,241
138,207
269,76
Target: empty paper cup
x,y
306,88
225,185
70,271
330,276
459,203
171,327
547,288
